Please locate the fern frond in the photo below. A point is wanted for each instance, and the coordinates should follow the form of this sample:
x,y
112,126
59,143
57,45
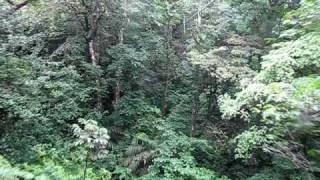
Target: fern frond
x,y
133,150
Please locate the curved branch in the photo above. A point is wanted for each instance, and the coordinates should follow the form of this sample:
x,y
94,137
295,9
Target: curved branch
x,y
18,6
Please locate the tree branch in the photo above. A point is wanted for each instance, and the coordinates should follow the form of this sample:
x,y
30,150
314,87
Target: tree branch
x,y
18,6
10,2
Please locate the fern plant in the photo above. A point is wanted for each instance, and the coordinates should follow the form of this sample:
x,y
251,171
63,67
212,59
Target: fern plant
x,y
140,153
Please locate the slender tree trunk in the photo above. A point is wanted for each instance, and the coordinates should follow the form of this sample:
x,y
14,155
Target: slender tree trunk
x,y
212,99
95,62
93,53
194,115
86,166
164,100
196,90
121,40
198,24
164,103
210,106
184,25
125,19
117,92
199,17
92,41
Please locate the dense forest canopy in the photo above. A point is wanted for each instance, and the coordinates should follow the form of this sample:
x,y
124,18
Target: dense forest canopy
x,y
160,89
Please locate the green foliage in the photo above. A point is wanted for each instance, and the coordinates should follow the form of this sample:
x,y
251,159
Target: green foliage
x,y
140,152
175,160
276,101
94,139
11,173
49,169
297,54
232,105
251,15
127,64
166,13
133,109
123,173
278,109
249,140
292,59
282,168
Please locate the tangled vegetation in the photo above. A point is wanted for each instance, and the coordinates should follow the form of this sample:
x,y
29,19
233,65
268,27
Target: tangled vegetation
x,y
160,89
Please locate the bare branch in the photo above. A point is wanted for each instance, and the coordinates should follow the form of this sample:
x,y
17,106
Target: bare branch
x,y
18,6
10,2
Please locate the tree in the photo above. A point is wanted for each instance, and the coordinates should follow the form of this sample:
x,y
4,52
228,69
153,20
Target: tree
x,y
272,105
89,15
93,138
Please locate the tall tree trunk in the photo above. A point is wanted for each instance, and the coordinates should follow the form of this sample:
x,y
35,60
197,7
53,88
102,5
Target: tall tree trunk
x,y
194,115
92,41
164,100
117,89
184,24
86,166
196,90
95,62
117,92
121,40
198,23
212,98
